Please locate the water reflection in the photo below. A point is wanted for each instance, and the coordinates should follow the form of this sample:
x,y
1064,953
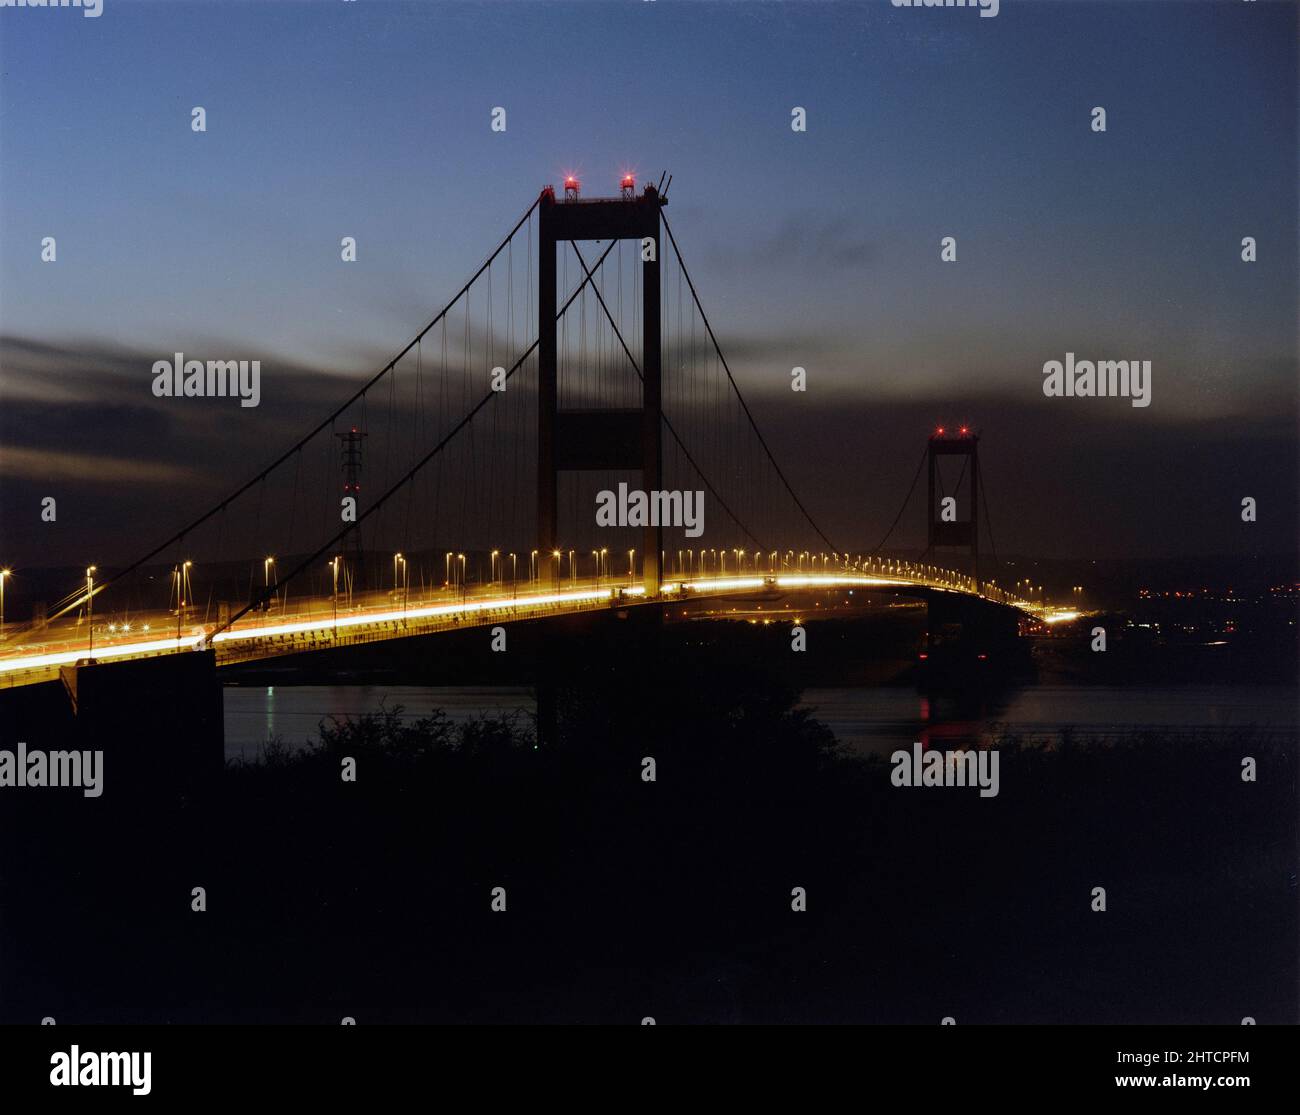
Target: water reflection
x,y
866,720
881,720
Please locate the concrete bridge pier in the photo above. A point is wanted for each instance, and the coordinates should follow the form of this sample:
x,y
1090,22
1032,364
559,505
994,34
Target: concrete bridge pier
x,y
158,722
968,625
620,644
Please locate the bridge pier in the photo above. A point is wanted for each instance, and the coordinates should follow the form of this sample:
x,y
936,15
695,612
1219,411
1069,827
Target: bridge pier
x,y
968,623
158,722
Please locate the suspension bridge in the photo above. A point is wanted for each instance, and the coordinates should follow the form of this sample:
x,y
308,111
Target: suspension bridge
x,y
578,355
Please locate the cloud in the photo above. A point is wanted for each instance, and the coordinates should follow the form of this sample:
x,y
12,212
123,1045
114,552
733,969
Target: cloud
x,y
808,241
84,468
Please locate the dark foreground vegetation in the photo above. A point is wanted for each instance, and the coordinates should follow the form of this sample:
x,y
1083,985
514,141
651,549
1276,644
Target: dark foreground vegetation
x,y
671,899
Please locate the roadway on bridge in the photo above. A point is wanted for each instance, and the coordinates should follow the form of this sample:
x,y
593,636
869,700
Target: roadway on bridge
x,y
318,623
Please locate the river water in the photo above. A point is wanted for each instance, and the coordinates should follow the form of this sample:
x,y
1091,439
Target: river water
x,y
865,720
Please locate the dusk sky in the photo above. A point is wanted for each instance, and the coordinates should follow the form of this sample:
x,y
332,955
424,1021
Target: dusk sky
x,y
820,249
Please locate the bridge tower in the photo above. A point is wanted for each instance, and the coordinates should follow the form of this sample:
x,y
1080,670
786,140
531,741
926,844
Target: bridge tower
x,y
608,438
350,442
963,531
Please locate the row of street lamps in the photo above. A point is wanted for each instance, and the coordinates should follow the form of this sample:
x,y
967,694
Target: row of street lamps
x,y
689,561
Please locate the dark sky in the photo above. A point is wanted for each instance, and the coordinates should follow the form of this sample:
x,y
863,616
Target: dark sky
x,y
820,249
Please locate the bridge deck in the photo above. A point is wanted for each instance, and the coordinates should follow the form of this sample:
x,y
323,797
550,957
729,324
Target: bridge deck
x,y
317,625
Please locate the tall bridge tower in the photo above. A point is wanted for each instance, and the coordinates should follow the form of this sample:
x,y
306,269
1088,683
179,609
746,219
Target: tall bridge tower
x,y
951,524
607,438
350,442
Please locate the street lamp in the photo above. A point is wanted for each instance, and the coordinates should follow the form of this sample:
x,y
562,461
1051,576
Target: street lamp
x,y
463,586
533,572
447,578
406,586
631,565
492,573
556,555
334,565
4,574
397,558
90,606
182,585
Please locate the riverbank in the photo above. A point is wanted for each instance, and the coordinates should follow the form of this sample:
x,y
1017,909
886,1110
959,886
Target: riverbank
x,y
676,897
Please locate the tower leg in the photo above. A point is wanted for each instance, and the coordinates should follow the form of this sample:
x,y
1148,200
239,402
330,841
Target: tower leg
x,y
546,385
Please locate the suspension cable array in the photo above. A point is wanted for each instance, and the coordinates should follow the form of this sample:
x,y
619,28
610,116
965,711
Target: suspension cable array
x,y
471,517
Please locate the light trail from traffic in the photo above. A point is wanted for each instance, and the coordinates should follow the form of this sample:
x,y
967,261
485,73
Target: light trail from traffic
x,y
254,637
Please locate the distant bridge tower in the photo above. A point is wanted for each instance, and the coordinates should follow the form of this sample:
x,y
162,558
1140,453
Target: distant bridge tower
x,y
961,532
609,438
351,440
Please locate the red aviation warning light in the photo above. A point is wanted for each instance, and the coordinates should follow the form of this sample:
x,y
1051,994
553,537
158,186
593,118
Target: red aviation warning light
x,y
627,185
571,188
